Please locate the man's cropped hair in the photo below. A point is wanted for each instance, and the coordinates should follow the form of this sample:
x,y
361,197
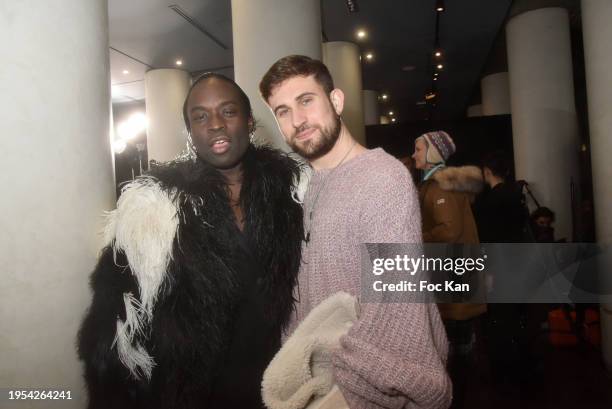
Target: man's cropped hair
x,y
295,66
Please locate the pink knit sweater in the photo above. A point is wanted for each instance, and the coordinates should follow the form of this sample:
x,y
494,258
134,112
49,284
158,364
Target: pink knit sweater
x,y
395,355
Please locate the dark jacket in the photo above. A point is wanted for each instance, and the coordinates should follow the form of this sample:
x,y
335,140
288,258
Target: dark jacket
x,y
187,310
500,214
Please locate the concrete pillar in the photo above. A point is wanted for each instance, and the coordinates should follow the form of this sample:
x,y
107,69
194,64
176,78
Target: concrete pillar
x,y
165,93
544,118
474,111
57,178
495,94
342,59
597,32
264,31
370,107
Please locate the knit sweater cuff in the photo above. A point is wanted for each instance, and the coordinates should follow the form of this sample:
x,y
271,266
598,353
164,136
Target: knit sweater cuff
x,y
372,378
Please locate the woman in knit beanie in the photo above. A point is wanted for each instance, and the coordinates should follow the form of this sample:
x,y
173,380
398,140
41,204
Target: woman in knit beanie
x,y
438,147
445,194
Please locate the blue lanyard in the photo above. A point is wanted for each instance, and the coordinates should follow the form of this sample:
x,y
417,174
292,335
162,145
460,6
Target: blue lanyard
x,y
432,171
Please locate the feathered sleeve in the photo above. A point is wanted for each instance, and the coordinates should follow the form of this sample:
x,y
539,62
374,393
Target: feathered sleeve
x,y
108,381
126,283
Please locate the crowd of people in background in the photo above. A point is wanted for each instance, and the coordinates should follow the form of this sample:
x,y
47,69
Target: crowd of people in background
x,y
485,204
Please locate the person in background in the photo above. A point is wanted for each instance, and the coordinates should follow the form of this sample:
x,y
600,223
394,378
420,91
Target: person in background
x,y
499,209
195,283
502,217
446,194
542,220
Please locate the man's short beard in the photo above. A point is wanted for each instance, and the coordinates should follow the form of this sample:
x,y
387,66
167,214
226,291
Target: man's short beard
x,y
314,149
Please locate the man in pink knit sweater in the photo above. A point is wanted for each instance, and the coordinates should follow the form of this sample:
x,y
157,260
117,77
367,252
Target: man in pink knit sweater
x,y
394,356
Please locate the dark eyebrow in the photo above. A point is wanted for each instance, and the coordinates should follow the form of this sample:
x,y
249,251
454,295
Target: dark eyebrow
x,y
305,94
279,107
223,104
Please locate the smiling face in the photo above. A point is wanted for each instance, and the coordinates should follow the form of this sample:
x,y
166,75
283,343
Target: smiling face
x,y
306,116
420,154
219,123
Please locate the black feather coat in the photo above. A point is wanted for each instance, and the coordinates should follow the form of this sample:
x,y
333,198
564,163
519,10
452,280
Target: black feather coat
x,y
225,296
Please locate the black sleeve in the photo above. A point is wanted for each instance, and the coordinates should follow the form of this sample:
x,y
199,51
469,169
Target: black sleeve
x,y
109,382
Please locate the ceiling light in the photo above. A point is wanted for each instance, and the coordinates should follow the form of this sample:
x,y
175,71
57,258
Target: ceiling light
x,y
126,72
352,6
361,34
392,119
439,66
369,56
179,62
440,6
391,113
435,78
384,96
429,96
438,53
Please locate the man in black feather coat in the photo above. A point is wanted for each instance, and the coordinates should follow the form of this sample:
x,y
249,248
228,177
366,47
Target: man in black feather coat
x,y
195,283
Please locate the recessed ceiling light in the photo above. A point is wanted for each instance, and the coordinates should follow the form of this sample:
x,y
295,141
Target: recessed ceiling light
x,y
369,56
392,119
435,78
126,72
438,53
440,66
440,6
362,34
384,96
179,62
391,113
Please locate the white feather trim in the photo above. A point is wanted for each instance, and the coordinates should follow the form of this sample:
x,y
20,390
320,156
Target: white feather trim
x,y
143,226
298,189
131,353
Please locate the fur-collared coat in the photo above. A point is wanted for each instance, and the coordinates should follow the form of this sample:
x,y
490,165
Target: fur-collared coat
x,y
187,309
446,210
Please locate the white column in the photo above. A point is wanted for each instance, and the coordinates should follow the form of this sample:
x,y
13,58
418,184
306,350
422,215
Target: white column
x,y
597,33
495,94
370,107
543,113
57,179
474,111
342,60
263,32
165,93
